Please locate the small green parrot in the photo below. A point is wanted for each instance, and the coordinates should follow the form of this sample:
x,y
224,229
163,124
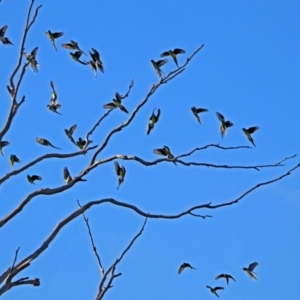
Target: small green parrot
x,y
4,39
250,270
248,133
45,142
157,64
165,151
32,60
116,103
52,36
224,124
214,290
185,265
121,171
32,178
13,159
197,111
53,94
70,132
54,107
3,144
82,144
71,46
173,54
94,67
96,59
153,119
76,55
68,178
226,276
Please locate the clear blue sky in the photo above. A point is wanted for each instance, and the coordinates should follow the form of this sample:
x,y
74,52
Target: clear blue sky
x,y
248,70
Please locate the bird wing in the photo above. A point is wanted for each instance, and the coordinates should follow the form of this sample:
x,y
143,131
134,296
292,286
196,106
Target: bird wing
x,y
3,30
165,54
220,117
117,168
252,266
177,51
252,129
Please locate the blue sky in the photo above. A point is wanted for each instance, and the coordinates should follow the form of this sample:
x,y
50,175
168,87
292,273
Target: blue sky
x,y
248,70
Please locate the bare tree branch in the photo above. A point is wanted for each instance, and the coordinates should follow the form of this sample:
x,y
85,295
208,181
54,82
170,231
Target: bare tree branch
x,y
111,270
92,241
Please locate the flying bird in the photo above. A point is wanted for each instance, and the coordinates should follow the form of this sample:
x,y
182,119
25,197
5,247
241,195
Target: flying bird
x,y
153,119
76,56
71,46
94,67
68,178
70,132
54,107
197,111
13,159
165,151
173,54
248,133
96,59
214,290
32,178
226,276
157,66
185,265
121,171
53,94
224,124
31,59
52,36
81,143
116,103
4,39
250,270
45,142
3,144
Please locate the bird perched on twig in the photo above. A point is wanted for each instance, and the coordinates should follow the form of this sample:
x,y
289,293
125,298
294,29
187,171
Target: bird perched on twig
x,y
165,151
173,54
153,119
157,66
52,36
250,270
45,142
32,178
184,266
121,171
197,111
224,124
248,133
4,39
68,178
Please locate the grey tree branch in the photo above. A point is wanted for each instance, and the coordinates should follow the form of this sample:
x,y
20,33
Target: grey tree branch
x,y
102,290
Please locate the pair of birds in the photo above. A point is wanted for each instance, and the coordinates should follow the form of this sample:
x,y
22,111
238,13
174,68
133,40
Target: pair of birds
x,y
80,143
249,270
5,40
159,63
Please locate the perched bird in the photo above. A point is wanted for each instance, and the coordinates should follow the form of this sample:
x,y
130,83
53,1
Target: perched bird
x,y
226,276
70,132
32,178
52,36
214,290
250,270
3,144
81,143
157,66
4,39
185,265
248,133
116,103
197,111
76,56
45,142
31,59
96,59
68,178
71,46
153,119
173,54
165,151
121,171
12,159
224,124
